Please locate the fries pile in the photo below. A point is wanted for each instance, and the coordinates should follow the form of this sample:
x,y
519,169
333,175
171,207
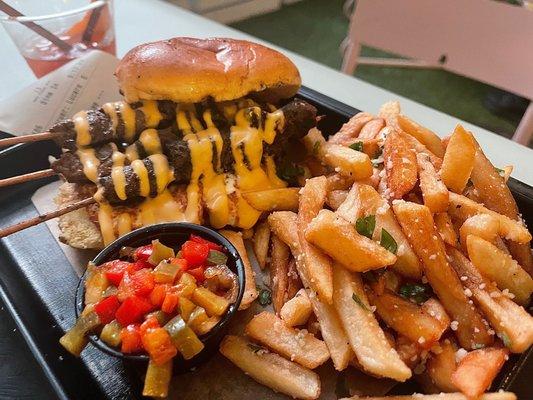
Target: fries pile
x,y
402,255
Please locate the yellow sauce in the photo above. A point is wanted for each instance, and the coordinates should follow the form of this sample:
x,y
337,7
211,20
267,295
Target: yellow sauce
x,y
124,223
162,208
128,116
117,174
105,220
142,173
111,111
152,115
81,126
90,163
131,152
208,185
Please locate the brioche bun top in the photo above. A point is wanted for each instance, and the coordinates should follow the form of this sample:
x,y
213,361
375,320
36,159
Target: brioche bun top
x,y
188,70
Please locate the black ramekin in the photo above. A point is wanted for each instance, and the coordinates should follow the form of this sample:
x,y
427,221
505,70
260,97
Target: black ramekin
x,y
172,235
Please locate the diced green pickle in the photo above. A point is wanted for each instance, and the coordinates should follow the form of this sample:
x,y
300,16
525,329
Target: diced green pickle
x,y
216,257
161,316
160,252
95,284
184,338
111,333
74,340
166,272
157,379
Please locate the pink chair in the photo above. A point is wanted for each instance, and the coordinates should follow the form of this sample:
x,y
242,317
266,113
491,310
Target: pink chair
x,y
483,39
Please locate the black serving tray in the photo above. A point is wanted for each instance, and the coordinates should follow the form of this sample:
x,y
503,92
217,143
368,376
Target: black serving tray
x,y
37,283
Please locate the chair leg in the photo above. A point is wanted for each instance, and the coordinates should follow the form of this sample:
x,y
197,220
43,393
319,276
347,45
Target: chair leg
x,y
524,131
351,54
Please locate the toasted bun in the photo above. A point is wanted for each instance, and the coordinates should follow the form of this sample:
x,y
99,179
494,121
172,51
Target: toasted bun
x,y
188,70
77,229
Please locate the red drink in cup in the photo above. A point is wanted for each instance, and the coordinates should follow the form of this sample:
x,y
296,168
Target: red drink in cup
x,y
83,26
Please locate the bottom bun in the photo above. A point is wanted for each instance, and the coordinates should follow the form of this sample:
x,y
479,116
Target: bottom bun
x,y
76,228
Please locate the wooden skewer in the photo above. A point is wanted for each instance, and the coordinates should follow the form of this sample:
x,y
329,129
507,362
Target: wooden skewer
x,y
35,137
32,176
45,217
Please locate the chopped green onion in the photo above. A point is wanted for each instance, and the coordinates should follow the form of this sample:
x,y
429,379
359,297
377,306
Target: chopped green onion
x,y
359,302
365,225
505,339
388,241
316,147
255,348
357,146
477,346
265,297
216,257
414,291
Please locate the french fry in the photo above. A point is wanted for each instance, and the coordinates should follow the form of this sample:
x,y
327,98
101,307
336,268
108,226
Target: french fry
x,y
506,172
279,269
362,201
344,160
444,226
261,241
281,199
296,345
476,371
441,396
511,322
491,187
400,164
371,129
434,191
337,181
434,308
250,291
440,367
316,263
482,225
351,128
494,193
297,310
356,252
389,111
420,148
335,198
499,267
271,369
462,207
294,283
332,333
407,318
366,337
417,223
410,353
422,134
458,160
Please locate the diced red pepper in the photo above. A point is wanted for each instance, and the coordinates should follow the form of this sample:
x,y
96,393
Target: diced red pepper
x,y
211,245
158,294
195,253
106,308
182,263
198,273
143,253
132,310
150,323
114,270
130,339
170,303
140,264
158,345
138,283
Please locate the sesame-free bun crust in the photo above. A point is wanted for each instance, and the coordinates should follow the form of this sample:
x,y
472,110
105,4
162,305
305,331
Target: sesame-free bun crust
x,y
188,70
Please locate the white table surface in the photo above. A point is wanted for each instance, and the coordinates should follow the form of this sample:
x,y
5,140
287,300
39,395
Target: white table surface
x,y
140,21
